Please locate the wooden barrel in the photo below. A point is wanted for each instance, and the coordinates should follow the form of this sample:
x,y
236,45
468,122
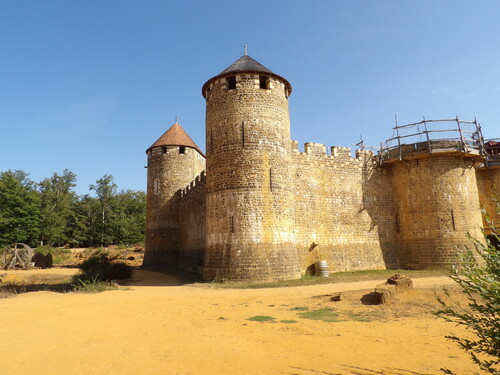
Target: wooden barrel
x,y
321,268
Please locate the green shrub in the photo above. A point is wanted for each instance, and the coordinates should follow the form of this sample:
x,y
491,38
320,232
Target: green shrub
x,y
45,249
101,269
478,275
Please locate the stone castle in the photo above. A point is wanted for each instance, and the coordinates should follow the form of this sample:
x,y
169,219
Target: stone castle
x,y
257,208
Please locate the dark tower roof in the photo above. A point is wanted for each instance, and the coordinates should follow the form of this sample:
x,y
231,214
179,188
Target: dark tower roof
x,y
175,136
245,64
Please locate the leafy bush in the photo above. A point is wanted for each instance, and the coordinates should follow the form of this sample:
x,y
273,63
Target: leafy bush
x,y
99,268
478,275
45,249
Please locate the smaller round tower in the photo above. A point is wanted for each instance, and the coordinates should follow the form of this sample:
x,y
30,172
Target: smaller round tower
x,y
174,160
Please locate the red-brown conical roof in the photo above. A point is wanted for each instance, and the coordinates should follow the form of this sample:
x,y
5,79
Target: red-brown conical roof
x,y
175,136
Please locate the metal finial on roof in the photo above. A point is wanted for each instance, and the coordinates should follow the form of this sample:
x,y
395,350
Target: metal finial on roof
x,y
245,50
176,119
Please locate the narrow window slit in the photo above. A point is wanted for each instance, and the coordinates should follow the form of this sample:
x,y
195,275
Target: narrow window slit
x,y
243,133
231,83
263,82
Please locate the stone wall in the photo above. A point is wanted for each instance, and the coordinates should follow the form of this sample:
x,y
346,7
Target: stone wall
x,y
488,181
437,202
344,210
169,170
192,226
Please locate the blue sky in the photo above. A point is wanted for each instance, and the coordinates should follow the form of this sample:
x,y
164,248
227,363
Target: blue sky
x,y
90,85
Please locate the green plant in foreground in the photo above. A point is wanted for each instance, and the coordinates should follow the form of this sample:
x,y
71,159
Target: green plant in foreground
x,y
92,286
478,275
299,308
325,315
261,318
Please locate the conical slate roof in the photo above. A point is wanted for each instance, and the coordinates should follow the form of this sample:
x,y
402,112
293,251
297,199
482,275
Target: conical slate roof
x,y
246,64
175,136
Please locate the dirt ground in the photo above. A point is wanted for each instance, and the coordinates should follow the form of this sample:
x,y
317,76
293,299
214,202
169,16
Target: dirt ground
x,y
159,326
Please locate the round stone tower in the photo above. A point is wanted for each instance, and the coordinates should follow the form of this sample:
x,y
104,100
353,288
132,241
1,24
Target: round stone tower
x,y
437,202
174,161
250,231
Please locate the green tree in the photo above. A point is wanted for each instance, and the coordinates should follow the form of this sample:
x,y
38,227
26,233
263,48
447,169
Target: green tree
x,y
478,275
82,222
57,199
129,219
19,208
105,190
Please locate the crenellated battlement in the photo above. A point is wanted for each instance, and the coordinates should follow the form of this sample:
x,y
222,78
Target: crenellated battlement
x,y
319,151
195,185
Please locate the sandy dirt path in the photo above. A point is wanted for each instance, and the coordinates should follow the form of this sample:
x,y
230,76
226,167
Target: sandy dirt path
x,y
159,326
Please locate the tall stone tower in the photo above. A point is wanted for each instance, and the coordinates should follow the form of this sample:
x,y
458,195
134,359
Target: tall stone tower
x,y
174,161
250,231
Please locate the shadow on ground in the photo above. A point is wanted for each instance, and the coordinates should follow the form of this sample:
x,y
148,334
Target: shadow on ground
x,y
355,371
143,277
370,299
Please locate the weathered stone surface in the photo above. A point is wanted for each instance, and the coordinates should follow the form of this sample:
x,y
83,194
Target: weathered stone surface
x,y
402,282
170,170
488,181
386,293
249,190
336,297
436,204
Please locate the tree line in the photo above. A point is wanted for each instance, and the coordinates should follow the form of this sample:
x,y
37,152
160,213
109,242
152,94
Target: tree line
x,y
49,212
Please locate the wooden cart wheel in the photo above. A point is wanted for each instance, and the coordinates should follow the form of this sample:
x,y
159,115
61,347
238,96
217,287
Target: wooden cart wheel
x,y
17,254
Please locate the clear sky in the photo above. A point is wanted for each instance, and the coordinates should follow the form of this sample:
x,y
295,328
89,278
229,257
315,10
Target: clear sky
x,y
90,85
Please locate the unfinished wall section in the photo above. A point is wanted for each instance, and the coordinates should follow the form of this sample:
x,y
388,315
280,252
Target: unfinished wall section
x,y
192,226
488,182
344,209
250,231
437,202
170,169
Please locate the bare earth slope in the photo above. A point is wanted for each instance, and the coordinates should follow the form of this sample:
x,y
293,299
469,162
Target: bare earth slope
x,y
161,327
